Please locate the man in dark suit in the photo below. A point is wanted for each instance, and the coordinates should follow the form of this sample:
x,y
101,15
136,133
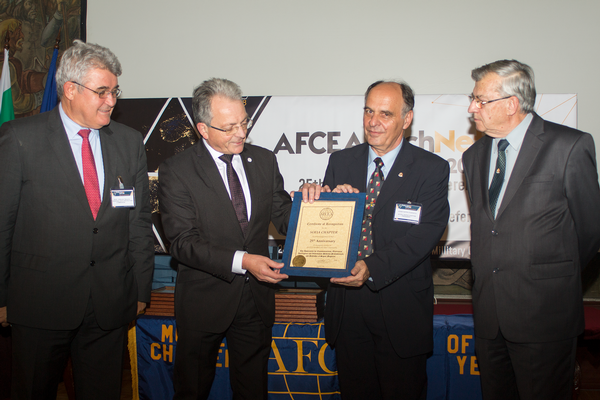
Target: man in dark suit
x,y
74,268
535,224
217,199
380,318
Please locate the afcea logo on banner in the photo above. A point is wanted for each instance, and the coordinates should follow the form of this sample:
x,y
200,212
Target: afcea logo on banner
x,y
318,143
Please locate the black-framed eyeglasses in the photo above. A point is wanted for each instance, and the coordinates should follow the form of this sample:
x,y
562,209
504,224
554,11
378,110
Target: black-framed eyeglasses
x,y
244,125
116,92
481,103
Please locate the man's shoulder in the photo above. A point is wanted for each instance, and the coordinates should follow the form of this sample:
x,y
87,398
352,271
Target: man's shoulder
x,y
183,156
479,143
425,155
124,131
350,152
253,149
560,132
26,124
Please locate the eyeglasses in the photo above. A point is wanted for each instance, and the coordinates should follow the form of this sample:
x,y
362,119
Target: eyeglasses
x,y
481,103
245,125
116,92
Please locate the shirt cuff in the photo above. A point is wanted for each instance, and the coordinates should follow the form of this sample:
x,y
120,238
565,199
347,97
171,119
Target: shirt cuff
x,y
236,266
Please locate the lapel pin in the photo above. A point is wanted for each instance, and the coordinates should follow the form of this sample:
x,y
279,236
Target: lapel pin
x,y
249,159
400,174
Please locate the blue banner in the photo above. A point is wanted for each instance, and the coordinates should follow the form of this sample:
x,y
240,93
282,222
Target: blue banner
x,y
302,366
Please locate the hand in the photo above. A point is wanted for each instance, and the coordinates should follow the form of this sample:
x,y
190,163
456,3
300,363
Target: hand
x,y
141,307
359,275
263,268
311,192
345,188
3,318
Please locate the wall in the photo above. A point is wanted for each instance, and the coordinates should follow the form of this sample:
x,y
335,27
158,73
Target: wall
x,y
335,47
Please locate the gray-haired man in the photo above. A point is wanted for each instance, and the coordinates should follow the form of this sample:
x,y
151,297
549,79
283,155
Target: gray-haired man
x,y
75,267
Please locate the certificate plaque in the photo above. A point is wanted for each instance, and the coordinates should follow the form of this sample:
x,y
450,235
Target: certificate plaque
x,y
322,238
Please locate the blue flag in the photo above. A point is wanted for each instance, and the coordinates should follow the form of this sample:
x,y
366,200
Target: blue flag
x,y
50,96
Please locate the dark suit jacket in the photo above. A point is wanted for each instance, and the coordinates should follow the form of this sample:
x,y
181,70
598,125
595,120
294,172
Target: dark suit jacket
x,y
200,222
400,265
53,255
527,263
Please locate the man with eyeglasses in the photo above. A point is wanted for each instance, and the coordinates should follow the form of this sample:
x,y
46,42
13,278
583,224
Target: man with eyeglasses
x,y
535,224
75,227
217,199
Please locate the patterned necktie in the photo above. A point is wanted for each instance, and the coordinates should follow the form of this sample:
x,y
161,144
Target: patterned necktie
x,y
237,193
90,176
496,185
365,247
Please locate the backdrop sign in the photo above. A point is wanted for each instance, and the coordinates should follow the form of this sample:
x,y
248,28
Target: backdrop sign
x,y
304,130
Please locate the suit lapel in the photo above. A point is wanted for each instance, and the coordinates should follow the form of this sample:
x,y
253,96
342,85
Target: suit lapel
x,y
110,154
357,169
532,143
254,182
59,143
209,173
482,160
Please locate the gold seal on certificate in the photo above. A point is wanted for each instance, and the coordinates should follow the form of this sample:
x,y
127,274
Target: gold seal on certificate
x,y
299,261
322,238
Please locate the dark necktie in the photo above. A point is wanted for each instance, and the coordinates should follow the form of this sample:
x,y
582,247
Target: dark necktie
x,y
237,193
90,176
498,175
365,247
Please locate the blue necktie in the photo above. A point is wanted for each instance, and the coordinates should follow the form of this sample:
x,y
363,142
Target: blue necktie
x,y
498,180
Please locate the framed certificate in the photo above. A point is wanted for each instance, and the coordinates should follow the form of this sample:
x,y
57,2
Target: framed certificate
x,y
322,238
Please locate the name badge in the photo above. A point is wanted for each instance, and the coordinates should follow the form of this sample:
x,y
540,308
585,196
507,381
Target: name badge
x,y
408,212
122,197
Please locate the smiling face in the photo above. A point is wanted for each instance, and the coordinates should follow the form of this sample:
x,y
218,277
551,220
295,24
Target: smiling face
x,y
383,121
227,114
493,119
85,107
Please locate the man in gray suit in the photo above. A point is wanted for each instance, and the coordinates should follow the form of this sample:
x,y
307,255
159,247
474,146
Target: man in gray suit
x,y
75,263
535,224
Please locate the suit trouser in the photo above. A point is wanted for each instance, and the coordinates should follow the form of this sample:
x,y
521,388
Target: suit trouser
x,y
249,347
368,366
40,357
526,371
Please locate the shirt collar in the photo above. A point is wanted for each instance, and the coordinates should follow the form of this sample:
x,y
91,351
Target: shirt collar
x,y
215,154
516,136
388,158
71,127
